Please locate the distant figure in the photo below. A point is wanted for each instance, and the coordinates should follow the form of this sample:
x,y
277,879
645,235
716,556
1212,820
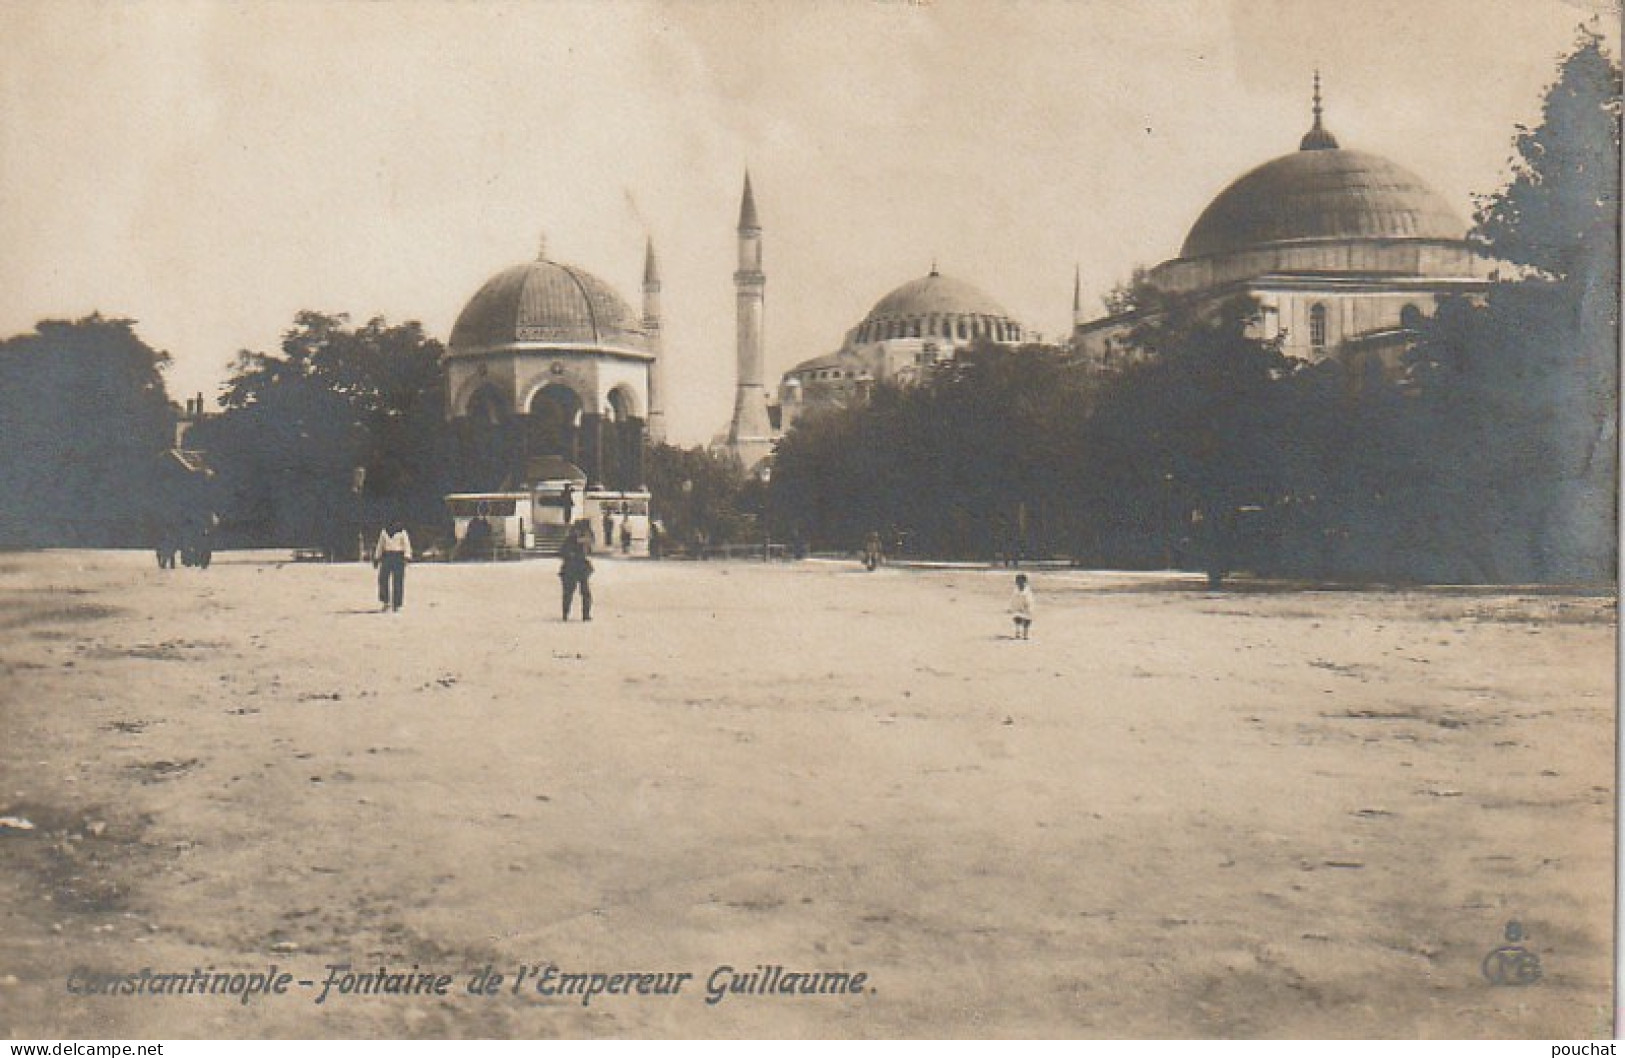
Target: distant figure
x,y
1004,553
575,568
654,539
1021,607
205,540
872,552
390,556
476,540
568,502
626,535
609,527
167,546
188,542
193,540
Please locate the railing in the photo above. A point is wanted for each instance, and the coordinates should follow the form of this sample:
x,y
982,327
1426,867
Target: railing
x,y
760,552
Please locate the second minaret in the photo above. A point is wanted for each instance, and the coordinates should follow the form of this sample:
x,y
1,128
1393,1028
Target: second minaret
x,y
750,437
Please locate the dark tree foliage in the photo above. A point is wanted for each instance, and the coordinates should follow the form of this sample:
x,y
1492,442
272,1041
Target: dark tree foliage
x,y
299,423
971,462
1122,299
700,495
86,424
1198,440
1560,211
1520,390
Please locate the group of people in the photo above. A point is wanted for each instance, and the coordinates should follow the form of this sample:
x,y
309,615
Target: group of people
x,y
625,533
189,542
393,551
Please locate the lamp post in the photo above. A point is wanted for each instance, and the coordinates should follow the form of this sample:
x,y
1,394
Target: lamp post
x,y
691,526
1168,521
358,483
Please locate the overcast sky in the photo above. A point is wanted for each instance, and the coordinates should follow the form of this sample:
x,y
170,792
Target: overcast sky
x,y
210,169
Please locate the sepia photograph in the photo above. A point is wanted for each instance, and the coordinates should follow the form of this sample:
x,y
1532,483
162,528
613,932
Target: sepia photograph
x,y
844,519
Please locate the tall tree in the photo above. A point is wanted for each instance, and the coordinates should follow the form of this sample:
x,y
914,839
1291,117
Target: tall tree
x,y
968,463
86,421
299,423
695,492
1197,433
1523,387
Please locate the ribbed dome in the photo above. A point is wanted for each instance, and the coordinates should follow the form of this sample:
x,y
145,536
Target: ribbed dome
x,y
935,294
1322,193
545,301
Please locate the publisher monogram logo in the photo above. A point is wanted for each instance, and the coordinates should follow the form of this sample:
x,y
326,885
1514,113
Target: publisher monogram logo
x,y
1512,964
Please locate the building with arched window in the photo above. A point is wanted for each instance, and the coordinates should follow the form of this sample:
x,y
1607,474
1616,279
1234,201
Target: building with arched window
x,y
550,377
910,330
1345,251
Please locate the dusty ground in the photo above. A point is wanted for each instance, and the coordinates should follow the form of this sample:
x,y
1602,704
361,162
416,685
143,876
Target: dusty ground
x,y
1172,813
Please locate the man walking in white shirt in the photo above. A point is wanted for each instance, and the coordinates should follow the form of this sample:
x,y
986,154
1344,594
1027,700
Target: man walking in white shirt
x,y
390,556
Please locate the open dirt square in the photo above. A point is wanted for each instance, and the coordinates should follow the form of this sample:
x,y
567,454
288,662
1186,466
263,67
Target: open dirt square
x,y
1172,813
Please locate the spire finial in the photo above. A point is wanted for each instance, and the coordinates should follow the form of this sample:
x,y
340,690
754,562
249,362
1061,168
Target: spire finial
x,y
541,246
747,208
1077,288
651,265
934,265
1317,138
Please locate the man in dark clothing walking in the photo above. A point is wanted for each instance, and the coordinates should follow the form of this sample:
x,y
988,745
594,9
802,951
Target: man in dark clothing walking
x,y
575,570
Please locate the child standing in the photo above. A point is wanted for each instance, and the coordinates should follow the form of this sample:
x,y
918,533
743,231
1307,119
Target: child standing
x,y
1021,607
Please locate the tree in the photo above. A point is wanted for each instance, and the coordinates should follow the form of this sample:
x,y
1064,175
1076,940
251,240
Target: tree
x,y
1195,437
1522,387
695,492
969,462
86,422
299,423
1123,299
1559,213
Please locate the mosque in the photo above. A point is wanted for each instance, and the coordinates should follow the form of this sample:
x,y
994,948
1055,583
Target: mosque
x,y
909,331
1345,251
917,325
555,385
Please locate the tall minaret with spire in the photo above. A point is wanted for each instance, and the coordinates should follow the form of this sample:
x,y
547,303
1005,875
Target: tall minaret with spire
x,y
651,328
749,436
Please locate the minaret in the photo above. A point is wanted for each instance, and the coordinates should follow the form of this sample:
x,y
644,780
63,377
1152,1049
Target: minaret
x,y
651,327
1077,296
749,436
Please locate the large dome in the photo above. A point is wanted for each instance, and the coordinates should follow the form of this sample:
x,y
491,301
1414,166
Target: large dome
x,y
937,306
1322,192
936,294
545,301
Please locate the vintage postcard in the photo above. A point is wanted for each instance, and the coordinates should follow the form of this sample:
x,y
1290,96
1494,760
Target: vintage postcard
x,y
850,519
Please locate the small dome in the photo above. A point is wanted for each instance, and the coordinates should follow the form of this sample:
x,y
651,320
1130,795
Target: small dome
x,y
818,363
1322,192
545,301
936,294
